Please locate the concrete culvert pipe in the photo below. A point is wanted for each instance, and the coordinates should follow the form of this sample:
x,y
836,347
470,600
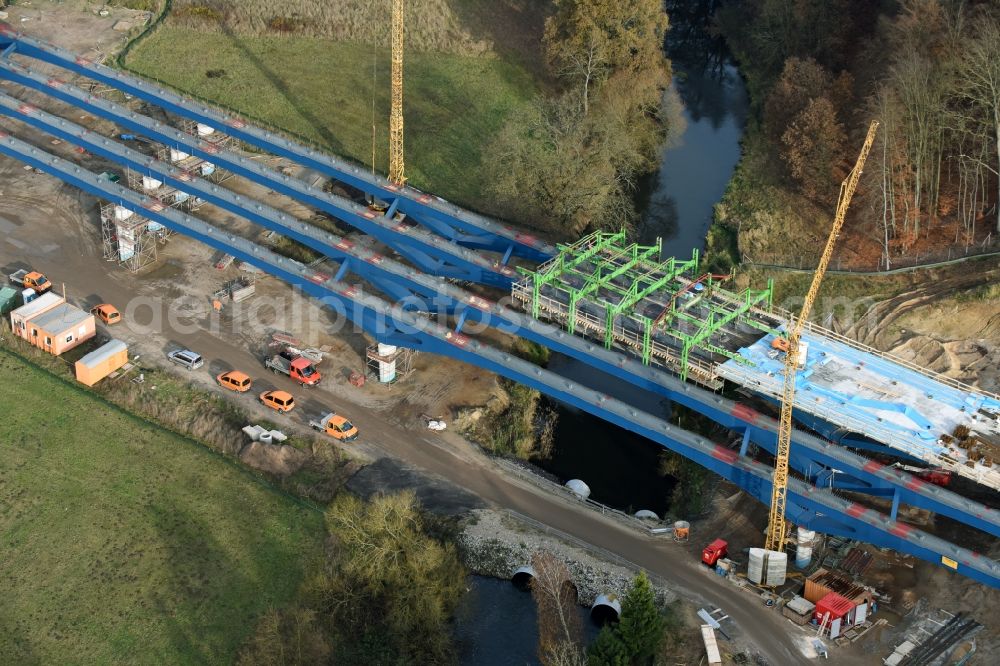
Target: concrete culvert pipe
x,y
646,514
578,488
266,438
606,609
522,577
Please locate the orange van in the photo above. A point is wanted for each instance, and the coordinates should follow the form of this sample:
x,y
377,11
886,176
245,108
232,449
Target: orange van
x,y
234,380
281,401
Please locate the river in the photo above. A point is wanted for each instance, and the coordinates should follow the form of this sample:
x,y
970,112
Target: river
x,y
708,106
496,624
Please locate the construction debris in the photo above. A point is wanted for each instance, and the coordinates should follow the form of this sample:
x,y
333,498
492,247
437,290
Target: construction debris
x,y
935,639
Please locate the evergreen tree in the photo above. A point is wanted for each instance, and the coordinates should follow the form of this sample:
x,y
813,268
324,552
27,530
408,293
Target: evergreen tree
x,y
641,625
607,649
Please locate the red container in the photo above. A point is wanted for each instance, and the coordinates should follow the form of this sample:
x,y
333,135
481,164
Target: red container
x,y
836,605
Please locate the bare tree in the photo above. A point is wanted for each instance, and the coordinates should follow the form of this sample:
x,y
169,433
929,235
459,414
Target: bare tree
x,y
559,630
979,88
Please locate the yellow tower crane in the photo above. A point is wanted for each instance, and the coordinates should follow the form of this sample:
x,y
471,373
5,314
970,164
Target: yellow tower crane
x,y
396,164
779,491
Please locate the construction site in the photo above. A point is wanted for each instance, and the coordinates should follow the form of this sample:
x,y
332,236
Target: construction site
x,y
845,448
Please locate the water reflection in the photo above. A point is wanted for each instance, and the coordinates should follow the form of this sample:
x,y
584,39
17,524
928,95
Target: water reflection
x,y
710,106
497,625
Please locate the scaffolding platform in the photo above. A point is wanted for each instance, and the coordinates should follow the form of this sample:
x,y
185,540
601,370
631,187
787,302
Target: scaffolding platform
x,y
129,239
401,356
212,142
170,196
666,312
860,390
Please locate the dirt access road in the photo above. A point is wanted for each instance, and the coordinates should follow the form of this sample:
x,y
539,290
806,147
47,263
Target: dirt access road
x,y
54,228
43,241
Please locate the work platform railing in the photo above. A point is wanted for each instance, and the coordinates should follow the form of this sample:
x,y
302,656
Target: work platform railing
x,y
446,219
807,504
729,464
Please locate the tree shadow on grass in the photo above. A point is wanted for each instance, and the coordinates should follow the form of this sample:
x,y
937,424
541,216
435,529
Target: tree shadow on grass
x,y
279,84
209,604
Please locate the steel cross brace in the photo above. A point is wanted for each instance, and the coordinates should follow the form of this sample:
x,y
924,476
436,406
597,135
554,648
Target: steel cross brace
x,y
403,289
428,252
394,325
455,224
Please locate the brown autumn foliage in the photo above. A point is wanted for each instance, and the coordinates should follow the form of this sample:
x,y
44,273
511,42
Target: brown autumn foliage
x,y
569,161
559,630
814,149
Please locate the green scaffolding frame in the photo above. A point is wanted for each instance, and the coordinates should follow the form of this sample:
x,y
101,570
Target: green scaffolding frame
x,y
597,261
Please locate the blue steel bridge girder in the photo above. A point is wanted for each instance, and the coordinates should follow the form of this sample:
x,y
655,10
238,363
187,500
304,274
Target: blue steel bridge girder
x,y
457,226
214,194
431,255
394,325
404,289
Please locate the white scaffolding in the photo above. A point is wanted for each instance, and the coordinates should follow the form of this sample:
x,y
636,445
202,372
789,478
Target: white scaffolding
x,y
129,239
211,142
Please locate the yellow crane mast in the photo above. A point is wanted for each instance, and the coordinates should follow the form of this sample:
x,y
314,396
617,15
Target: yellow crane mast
x,y
779,491
396,164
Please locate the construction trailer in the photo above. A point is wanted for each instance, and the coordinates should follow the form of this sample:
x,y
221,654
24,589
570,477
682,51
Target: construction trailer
x,y
799,610
20,316
52,324
101,362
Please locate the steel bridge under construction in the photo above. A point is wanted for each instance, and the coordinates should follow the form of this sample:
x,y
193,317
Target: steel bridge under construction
x,y
617,307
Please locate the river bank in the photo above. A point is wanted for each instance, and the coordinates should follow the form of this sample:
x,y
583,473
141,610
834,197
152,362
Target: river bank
x,y
707,107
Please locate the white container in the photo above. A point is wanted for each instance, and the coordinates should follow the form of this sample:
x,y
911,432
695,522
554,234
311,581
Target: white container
x,y
386,369
178,155
122,213
205,130
804,547
578,488
207,169
150,183
767,567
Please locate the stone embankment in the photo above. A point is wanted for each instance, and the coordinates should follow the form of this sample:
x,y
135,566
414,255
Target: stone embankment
x,y
495,544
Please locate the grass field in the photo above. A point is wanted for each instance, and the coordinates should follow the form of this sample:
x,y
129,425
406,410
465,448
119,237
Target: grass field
x,y
123,543
322,91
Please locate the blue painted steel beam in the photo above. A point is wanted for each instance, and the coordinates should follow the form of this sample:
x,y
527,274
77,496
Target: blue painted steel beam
x,y
427,251
808,505
456,225
400,283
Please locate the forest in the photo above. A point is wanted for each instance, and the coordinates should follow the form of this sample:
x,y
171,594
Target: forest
x,y
817,72
568,162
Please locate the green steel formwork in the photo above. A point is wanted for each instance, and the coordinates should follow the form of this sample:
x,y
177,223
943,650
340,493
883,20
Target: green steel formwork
x,y
608,287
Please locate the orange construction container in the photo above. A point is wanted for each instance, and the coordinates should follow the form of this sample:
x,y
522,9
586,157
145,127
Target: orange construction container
x,y
101,362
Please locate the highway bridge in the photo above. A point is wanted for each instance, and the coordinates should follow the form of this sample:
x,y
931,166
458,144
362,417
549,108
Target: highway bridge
x,y
662,322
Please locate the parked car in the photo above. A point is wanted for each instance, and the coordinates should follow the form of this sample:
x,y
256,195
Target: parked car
x,y
186,358
234,380
281,401
107,313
